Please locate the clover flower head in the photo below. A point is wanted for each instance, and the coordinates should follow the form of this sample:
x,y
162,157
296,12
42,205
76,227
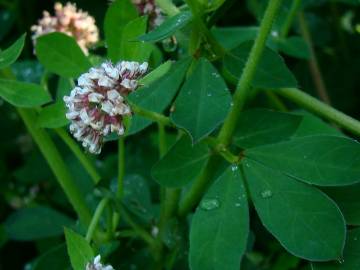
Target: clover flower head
x,y
97,106
71,21
149,8
97,265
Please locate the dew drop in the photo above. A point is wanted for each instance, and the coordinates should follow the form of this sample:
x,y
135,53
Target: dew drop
x,y
265,194
237,204
234,168
209,204
209,94
341,260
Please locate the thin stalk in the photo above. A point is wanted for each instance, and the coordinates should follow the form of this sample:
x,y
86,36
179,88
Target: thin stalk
x,y
157,117
221,150
120,178
244,85
316,106
96,218
313,62
57,165
80,155
121,167
296,4
276,101
137,228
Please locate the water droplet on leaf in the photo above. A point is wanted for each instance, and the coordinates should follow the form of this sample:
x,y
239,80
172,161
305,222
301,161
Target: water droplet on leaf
x,y
209,204
234,168
266,194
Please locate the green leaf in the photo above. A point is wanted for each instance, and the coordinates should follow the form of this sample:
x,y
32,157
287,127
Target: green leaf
x,y
118,15
168,27
348,199
181,164
203,102
350,259
132,49
158,95
156,74
231,37
295,46
304,220
56,257
3,236
137,196
22,94
260,126
53,116
9,56
36,223
318,160
312,125
271,72
220,226
79,250
60,54
136,124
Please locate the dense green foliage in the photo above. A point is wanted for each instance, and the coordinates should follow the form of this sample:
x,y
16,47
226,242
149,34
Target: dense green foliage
x,y
240,151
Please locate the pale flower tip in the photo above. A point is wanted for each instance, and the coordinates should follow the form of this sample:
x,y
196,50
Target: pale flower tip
x,y
68,20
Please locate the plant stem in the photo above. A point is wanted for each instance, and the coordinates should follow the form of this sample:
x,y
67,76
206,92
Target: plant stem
x,y
244,85
151,115
221,150
78,152
313,62
316,106
296,4
120,178
137,228
121,167
57,164
194,195
167,7
95,219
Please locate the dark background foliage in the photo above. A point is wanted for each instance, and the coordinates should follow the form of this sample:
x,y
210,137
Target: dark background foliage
x,y
25,178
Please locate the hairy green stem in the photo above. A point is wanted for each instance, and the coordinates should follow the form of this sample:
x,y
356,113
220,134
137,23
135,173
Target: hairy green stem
x,y
316,106
57,165
313,62
244,85
95,219
80,155
296,4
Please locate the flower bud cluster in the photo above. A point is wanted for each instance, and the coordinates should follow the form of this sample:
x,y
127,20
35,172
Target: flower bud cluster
x,y
149,8
97,106
68,20
97,265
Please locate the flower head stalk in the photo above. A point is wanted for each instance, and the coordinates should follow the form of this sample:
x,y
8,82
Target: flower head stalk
x,y
149,8
71,21
97,106
97,265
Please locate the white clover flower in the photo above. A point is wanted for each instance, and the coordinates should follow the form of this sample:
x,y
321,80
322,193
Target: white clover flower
x,y
149,8
96,106
68,20
97,265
